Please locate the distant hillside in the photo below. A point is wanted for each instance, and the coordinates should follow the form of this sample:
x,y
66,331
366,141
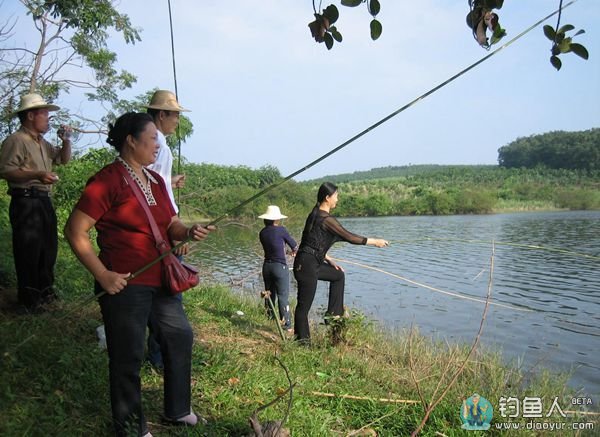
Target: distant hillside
x,y
393,172
556,150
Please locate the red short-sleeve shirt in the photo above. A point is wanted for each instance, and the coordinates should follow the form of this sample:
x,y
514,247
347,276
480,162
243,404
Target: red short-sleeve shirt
x,y
124,234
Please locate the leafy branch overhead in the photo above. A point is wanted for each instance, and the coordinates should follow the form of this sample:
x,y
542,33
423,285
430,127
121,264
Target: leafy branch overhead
x,y
563,44
323,30
482,18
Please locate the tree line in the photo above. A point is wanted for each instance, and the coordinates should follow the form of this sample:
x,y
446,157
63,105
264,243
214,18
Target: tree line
x,y
558,149
213,190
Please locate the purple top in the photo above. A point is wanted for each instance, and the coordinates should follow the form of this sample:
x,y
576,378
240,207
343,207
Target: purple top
x,y
273,240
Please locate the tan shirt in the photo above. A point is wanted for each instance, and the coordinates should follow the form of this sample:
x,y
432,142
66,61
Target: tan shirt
x,y
24,150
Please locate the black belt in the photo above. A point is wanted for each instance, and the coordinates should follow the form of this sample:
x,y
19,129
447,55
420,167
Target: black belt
x,y
28,192
309,250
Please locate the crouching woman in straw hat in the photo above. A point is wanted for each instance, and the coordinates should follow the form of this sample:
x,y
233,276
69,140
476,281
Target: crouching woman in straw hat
x,y
127,244
312,262
273,238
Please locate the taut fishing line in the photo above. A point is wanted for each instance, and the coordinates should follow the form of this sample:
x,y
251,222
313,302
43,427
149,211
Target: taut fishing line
x,y
418,284
504,243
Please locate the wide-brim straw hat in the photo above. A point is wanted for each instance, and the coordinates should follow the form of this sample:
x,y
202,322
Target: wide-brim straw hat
x,y
165,101
273,213
34,101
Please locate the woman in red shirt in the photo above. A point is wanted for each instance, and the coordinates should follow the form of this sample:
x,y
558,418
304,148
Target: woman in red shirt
x,y
127,244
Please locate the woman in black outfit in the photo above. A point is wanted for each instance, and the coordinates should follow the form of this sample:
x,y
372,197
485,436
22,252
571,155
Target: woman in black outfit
x,y
312,262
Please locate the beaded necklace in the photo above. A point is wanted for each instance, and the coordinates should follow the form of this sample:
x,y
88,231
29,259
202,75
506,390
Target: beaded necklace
x,y
146,188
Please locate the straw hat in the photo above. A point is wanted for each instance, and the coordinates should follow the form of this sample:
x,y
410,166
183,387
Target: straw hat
x,y
34,101
165,101
273,213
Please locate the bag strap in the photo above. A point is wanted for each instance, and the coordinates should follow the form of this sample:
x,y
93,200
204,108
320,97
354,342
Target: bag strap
x,y
161,244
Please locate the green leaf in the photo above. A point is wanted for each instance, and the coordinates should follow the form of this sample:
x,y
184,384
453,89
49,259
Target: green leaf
x,y
336,35
565,45
580,50
328,40
579,32
374,7
492,4
376,29
351,3
322,375
556,63
566,28
549,32
498,34
331,13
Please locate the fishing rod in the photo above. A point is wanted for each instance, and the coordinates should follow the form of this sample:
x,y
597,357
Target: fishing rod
x,y
354,138
176,97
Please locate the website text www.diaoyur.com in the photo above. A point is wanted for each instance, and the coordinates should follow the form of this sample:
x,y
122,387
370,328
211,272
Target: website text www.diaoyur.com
x,y
545,426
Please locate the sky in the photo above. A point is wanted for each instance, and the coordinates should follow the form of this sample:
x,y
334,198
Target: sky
x,y
262,92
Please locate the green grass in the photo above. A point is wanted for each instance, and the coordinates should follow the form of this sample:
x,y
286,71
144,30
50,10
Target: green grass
x,y
54,377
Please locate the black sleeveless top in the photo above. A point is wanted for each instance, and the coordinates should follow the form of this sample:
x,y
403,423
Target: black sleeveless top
x,y
325,230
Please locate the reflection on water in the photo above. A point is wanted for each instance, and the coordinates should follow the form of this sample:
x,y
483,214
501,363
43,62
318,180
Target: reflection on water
x,y
561,288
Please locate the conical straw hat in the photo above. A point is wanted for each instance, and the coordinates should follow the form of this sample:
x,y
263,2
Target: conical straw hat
x,y
165,101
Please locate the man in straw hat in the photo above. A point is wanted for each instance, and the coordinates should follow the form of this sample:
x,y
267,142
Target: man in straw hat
x,y
26,161
165,110
273,238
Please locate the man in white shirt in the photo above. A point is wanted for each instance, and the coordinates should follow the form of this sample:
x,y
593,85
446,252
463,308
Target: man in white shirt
x,y
165,111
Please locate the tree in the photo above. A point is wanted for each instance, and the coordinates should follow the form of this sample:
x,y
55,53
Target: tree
x,y
569,150
72,37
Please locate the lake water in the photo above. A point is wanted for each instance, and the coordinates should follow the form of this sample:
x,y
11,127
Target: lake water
x,y
548,295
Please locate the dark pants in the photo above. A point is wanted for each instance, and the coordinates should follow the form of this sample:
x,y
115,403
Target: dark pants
x,y
307,271
277,281
154,355
35,245
125,316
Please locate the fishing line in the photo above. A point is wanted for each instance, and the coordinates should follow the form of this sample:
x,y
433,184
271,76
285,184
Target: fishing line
x,y
520,245
449,293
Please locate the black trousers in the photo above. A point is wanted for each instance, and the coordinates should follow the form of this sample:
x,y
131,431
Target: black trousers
x,y
35,246
307,271
125,317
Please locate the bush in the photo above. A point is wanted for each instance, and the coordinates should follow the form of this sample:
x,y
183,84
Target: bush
x,y
577,199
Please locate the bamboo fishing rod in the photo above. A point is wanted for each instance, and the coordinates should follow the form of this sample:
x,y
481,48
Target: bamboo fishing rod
x,y
354,138
178,132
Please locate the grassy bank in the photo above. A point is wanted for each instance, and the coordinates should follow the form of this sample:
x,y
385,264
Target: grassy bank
x,y
54,377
